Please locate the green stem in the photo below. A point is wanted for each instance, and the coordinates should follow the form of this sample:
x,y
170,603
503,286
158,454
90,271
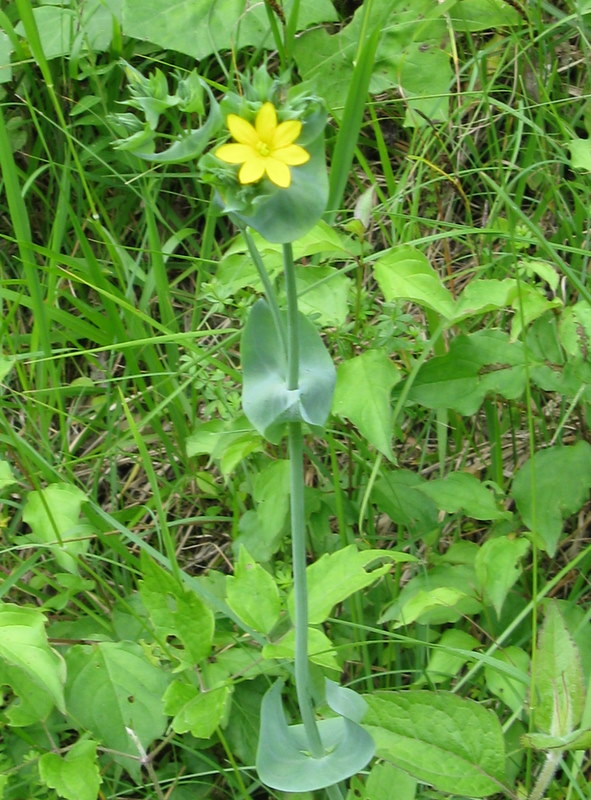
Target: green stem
x,y
267,285
298,520
546,775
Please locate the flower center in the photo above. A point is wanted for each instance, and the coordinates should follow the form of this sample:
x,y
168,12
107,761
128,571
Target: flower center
x,y
263,149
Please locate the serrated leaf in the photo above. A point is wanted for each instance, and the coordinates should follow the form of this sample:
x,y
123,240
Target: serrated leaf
x,y
24,646
54,516
194,711
441,739
177,611
497,567
253,594
550,487
362,394
406,274
112,686
75,776
335,576
558,681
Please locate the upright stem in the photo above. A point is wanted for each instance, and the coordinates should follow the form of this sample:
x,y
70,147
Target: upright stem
x,y
298,520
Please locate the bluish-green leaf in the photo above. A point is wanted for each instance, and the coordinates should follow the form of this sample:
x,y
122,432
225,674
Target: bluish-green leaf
x,y
267,401
283,759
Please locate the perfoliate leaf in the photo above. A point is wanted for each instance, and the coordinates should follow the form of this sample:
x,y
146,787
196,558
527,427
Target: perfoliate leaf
x,y
441,739
283,758
267,401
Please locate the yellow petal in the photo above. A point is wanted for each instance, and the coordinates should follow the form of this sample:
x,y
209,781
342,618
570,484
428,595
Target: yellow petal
x,y
235,153
293,154
286,133
278,172
242,130
266,122
252,170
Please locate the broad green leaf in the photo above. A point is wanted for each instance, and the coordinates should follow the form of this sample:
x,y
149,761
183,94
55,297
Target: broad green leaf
x,y
194,711
54,516
112,686
575,329
558,681
577,740
228,442
6,476
398,494
176,611
580,154
529,304
335,576
462,491
482,296
444,663
511,691
262,529
387,782
536,267
406,274
323,294
362,394
267,401
443,594
283,758
424,70
76,776
497,567
253,594
408,27
476,365
32,703
550,487
483,15
6,364
320,649
24,646
223,25
439,738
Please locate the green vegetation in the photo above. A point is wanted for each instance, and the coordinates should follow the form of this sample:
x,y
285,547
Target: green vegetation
x,y
440,237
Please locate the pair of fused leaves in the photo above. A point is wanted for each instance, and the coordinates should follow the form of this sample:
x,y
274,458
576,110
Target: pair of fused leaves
x,y
267,401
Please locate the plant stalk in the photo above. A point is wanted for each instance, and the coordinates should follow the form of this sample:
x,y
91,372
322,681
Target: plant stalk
x,y
298,520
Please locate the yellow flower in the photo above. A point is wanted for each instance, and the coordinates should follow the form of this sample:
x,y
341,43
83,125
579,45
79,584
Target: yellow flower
x,y
263,148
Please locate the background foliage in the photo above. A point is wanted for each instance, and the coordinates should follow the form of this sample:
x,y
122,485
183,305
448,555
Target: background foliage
x,y
146,580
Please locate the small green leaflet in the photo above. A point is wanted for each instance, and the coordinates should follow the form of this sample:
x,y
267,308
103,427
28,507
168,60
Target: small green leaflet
x,y
75,776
